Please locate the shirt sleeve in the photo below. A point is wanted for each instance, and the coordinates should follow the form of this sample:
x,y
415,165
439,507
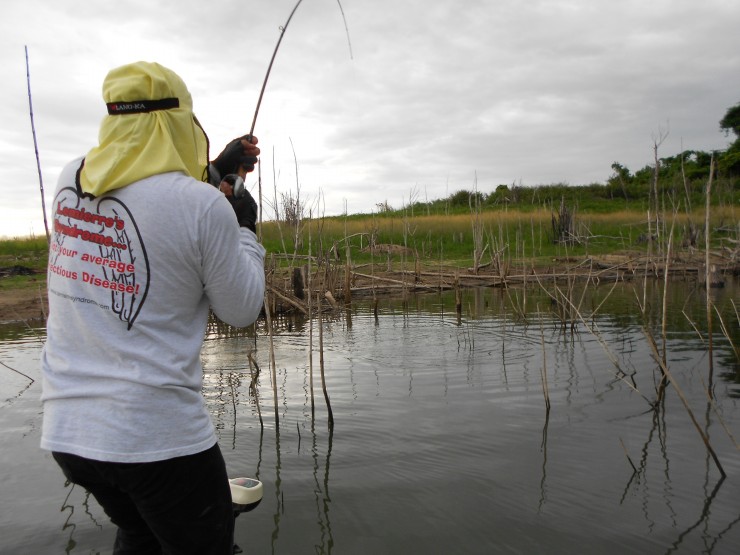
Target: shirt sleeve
x,y
233,266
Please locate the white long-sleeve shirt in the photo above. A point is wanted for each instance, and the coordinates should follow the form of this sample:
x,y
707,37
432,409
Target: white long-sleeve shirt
x,y
131,277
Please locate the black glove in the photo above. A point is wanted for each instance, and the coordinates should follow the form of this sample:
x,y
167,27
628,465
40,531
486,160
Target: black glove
x,y
246,210
232,158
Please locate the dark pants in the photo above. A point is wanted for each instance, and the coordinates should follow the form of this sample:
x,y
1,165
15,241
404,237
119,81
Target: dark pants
x,y
176,506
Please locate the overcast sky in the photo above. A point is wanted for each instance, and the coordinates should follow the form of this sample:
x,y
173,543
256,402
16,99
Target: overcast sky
x,y
433,96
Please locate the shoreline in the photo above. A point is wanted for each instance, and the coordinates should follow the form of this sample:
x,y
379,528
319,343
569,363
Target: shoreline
x,y
27,302
23,304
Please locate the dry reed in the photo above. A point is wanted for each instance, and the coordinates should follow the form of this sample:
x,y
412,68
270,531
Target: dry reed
x,y
273,368
321,366
543,372
36,147
310,326
254,376
707,268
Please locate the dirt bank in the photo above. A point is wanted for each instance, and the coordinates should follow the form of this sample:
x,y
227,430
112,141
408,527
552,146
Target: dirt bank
x,y
23,304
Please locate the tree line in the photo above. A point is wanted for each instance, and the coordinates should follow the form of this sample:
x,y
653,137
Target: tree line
x,y
680,179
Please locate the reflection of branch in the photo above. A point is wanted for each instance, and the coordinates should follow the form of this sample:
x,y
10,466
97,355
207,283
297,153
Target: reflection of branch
x,y
327,497
627,487
702,517
67,524
598,337
315,457
86,504
323,502
626,454
543,447
278,491
721,421
669,376
253,386
718,536
644,462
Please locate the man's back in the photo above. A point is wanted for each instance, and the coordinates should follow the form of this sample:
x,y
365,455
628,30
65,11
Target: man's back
x,y
131,277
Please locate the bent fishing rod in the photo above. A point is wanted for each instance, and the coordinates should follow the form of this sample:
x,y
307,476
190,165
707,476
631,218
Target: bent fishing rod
x,y
269,69
274,54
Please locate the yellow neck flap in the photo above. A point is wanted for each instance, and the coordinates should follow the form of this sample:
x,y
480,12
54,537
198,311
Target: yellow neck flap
x,y
150,129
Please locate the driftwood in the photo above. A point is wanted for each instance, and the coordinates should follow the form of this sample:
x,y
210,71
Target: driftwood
x,y
287,298
611,268
391,280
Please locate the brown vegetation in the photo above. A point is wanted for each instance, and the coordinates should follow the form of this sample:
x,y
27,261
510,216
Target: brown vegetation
x,y
28,301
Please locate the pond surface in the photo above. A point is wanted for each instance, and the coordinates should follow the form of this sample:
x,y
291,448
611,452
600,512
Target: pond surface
x,y
442,442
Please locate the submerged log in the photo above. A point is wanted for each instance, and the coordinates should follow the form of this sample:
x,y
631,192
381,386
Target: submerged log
x,y
299,282
714,277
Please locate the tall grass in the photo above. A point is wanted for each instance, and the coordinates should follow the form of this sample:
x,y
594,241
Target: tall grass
x,y
24,247
451,239
448,240
28,252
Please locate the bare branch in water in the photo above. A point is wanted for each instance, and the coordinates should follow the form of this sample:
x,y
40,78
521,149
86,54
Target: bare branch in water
x,y
29,378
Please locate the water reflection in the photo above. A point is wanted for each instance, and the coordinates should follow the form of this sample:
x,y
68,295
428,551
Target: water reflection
x,y
323,499
442,440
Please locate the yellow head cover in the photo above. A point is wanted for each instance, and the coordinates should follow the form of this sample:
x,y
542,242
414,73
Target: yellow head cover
x,y
150,130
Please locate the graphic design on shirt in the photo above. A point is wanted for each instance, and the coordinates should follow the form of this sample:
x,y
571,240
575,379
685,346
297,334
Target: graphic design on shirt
x,y
97,242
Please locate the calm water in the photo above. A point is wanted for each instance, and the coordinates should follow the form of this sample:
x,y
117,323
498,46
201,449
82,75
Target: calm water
x,y
442,442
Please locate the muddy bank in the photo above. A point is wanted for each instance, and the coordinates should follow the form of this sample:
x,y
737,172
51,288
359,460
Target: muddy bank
x,y
23,304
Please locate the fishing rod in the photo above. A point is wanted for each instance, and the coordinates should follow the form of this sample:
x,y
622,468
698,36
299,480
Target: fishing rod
x,y
269,69
274,54
239,185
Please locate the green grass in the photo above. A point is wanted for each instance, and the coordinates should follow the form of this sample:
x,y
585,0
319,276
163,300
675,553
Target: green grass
x,y
31,252
444,236
518,234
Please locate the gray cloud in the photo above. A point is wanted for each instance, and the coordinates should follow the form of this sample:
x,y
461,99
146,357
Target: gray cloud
x,y
435,94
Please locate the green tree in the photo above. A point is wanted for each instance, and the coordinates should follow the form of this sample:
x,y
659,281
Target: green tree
x,y
731,121
729,161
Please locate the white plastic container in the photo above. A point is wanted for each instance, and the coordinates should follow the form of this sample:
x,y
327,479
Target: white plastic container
x,y
246,493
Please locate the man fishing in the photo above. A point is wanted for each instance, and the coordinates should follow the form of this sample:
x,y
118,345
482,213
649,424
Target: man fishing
x,y
143,247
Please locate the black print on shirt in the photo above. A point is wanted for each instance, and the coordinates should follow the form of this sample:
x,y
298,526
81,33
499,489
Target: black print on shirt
x,y
97,241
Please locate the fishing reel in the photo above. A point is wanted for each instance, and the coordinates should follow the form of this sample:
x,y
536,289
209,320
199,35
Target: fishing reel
x,y
239,190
